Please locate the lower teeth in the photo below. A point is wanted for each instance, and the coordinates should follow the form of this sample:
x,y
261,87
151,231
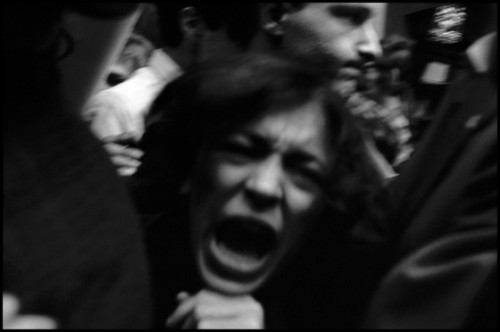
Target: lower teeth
x,y
247,261
247,256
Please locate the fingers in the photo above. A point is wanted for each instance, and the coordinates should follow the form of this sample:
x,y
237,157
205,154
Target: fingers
x,y
190,323
31,322
228,312
126,159
132,152
207,309
122,139
126,171
10,306
121,150
182,296
183,310
12,319
241,308
229,324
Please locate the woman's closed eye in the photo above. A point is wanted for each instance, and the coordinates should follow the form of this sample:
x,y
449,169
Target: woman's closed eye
x,y
309,176
305,175
235,148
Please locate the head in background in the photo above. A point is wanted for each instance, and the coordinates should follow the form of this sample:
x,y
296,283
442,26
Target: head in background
x,y
331,35
328,35
266,155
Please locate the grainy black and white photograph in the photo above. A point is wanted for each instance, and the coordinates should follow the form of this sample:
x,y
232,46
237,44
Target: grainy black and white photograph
x,y
249,165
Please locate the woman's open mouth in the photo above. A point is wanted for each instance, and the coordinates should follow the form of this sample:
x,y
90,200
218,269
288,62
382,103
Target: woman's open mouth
x,y
239,247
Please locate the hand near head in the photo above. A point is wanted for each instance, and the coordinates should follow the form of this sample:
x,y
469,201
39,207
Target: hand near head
x,y
210,310
122,153
12,320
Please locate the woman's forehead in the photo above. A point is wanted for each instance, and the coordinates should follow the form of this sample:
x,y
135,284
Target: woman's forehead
x,y
300,128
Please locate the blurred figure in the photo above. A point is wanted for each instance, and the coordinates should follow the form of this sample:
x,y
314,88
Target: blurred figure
x,y
72,244
442,238
377,99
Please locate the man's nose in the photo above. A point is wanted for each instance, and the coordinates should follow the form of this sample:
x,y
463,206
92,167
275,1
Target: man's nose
x,y
369,47
264,185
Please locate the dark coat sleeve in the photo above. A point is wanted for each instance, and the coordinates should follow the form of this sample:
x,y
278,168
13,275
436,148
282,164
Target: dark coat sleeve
x,y
72,244
444,234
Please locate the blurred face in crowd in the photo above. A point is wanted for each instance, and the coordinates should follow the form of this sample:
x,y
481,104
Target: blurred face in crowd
x,y
333,34
256,193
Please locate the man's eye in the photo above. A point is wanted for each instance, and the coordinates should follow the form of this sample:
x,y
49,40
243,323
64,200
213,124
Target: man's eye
x,y
356,15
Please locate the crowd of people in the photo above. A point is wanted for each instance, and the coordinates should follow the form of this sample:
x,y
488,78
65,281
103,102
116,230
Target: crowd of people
x,y
260,165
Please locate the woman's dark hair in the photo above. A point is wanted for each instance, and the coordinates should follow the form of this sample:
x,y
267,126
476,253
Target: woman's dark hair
x,y
214,99
210,102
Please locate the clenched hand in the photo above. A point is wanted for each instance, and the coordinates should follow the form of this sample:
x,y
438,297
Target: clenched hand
x,y
210,310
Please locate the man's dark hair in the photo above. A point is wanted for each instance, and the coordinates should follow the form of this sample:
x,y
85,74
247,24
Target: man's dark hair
x,y
168,21
239,20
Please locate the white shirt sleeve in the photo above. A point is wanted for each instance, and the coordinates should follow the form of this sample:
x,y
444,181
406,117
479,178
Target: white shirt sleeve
x,y
107,114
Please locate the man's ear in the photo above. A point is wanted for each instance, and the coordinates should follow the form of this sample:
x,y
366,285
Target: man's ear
x,y
272,17
190,23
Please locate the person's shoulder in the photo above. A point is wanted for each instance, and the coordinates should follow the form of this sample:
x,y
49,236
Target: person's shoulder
x,y
463,88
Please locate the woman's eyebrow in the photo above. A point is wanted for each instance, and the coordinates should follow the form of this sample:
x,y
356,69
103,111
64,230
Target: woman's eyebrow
x,y
301,156
253,138
296,153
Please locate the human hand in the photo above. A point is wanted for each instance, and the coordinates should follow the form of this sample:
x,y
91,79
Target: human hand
x,y
12,320
123,155
210,310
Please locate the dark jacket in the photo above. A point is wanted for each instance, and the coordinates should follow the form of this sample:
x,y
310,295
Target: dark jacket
x,y
444,232
72,243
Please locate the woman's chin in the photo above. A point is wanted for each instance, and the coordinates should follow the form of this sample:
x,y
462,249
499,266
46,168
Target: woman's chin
x,y
226,281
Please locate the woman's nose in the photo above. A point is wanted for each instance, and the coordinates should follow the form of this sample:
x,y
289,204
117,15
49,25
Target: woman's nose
x,y
264,185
